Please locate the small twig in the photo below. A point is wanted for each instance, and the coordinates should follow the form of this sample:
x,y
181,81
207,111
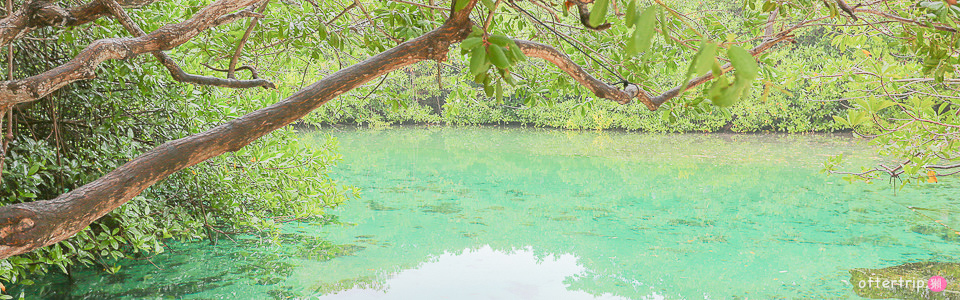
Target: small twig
x,y
243,40
421,5
384,32
345,10
489,20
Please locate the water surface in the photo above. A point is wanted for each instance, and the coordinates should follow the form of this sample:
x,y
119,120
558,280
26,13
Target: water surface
x,y
508,213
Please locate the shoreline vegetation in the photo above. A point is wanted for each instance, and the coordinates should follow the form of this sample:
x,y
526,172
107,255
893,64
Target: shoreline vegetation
x,y
782,116
304,127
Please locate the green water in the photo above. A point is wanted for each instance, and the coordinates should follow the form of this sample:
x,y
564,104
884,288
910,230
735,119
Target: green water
x,y
467,213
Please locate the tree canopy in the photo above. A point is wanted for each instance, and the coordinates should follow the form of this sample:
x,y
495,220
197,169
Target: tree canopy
x,y
893,64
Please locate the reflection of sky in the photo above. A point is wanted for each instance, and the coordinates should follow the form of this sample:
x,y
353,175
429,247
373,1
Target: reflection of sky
x,y
679,216
481,274
550,214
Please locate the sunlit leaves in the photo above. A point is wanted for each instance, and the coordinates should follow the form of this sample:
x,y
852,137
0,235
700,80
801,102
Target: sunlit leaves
x,y
599,12
643,31
744,63
724,93
853,118
873,105
632,13
702,61
496,50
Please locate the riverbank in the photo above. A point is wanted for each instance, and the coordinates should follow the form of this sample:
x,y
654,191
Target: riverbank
x,y
750,116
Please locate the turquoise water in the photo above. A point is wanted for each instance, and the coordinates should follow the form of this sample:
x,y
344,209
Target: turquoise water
x,y
507,213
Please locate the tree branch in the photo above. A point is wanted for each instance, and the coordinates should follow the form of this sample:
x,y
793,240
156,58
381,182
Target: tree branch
x,y
39,13
421,5
905,20
243,41
561,60
175,71
84,65
762,47
28,226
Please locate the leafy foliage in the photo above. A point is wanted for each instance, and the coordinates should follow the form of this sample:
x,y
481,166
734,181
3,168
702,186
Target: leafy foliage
x,y
92,127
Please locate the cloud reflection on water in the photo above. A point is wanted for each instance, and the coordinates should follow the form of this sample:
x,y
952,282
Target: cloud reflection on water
x,y
483,273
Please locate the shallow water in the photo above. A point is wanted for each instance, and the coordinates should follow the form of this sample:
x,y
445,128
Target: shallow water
x,y
507,213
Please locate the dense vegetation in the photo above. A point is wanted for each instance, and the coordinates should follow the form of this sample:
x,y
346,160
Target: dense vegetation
x,y
833,77
91,127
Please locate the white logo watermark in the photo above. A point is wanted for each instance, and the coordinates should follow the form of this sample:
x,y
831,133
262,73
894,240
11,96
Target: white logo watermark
x,y
934,284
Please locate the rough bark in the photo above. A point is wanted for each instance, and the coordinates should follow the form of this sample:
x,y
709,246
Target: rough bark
x,y
28,226
41,13
562,61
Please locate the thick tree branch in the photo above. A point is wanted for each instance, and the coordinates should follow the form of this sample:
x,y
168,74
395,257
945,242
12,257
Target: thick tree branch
x,y
84,65
28,226
175,71
40,13
768,29
599,88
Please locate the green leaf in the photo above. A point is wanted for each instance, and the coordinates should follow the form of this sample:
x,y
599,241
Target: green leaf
x,y
501,40
497,57
744,63
335,41
718,92
480,77
321,32
33,169
643,33
631,13
489,4
499,92
599,12
477,59
841,121
471,43
517,53
702,61
460,4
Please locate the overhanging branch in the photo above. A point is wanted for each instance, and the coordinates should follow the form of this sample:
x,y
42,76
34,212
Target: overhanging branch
x,y
40,13
175,71
562,61
28,226
762,47
84,65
